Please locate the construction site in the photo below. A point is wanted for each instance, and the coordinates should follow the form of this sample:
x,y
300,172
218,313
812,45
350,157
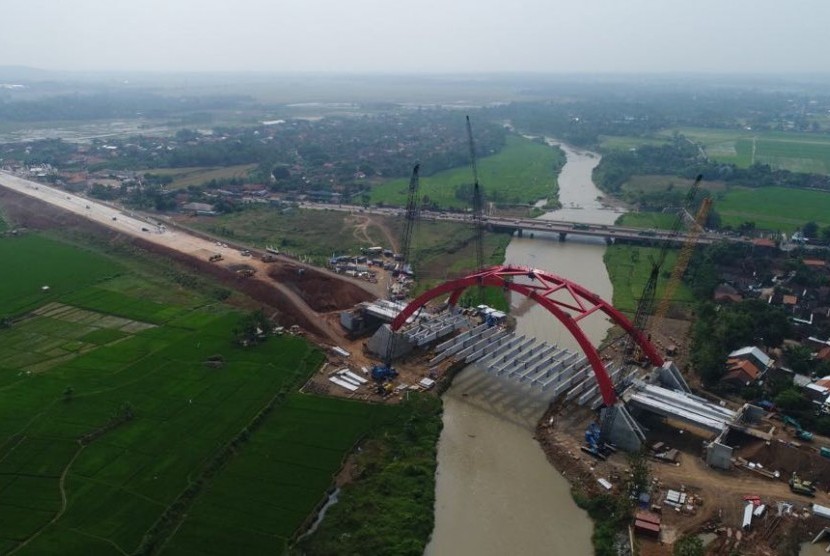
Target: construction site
x,y
739,473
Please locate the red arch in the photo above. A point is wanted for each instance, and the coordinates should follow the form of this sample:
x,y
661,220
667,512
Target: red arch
x,y
572,304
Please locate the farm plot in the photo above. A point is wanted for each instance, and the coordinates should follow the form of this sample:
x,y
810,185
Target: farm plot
x,y
115,303
57,333
266,493
37,262
119,482
797,152
773,208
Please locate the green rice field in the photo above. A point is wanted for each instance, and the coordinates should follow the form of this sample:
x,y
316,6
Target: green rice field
x,y
45,270
773,208
116,436
522,173
797,152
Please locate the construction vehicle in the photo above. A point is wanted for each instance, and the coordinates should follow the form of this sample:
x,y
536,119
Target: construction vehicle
x,y
800,433
383,372
798,486
268,258
594,444
215,258
245,272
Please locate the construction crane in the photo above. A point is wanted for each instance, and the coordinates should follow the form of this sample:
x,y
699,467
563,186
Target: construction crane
x,y
413,212
478,208
681,264
646,304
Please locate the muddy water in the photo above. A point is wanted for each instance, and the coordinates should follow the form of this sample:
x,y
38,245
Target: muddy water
x,y
496,493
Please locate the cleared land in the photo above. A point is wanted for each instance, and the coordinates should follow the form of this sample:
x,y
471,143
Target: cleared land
x,y
112,416
522,173
773,208
798,152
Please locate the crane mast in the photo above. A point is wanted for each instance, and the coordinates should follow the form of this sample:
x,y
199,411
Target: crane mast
x,y
646,305
413,211
682,263
478,208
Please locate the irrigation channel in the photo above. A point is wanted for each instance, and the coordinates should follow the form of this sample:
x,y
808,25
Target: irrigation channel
x,y
496,493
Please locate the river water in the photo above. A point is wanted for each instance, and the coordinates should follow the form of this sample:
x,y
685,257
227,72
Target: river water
x,y
496,493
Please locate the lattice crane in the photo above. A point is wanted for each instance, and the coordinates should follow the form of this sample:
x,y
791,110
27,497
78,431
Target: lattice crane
x,y
413,213
682,263
646,305
478,208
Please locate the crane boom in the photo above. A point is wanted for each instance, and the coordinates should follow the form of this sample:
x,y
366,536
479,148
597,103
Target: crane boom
x,y
646,304
681,264
478,207
413,210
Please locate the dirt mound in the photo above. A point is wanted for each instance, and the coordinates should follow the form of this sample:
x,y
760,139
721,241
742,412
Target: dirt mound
x,y
322,292
805,461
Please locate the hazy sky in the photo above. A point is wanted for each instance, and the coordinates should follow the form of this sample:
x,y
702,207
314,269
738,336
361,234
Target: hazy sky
x,y
757,36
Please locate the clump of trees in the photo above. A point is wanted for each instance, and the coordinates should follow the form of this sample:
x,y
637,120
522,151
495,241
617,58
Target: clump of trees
x,y
252,329
719,330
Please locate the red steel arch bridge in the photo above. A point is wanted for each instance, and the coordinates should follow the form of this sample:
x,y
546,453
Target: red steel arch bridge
x,y
569,302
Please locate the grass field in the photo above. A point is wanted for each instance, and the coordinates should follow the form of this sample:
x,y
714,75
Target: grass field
x,y
183,177
773,208
656,220
312,234
522,173
118,361
39,262
629,268
798,152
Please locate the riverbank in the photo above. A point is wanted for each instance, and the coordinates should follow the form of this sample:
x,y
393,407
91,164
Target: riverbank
x,y
386,506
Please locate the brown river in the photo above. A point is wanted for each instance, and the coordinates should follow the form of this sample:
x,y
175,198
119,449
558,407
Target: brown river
x,y
496,493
